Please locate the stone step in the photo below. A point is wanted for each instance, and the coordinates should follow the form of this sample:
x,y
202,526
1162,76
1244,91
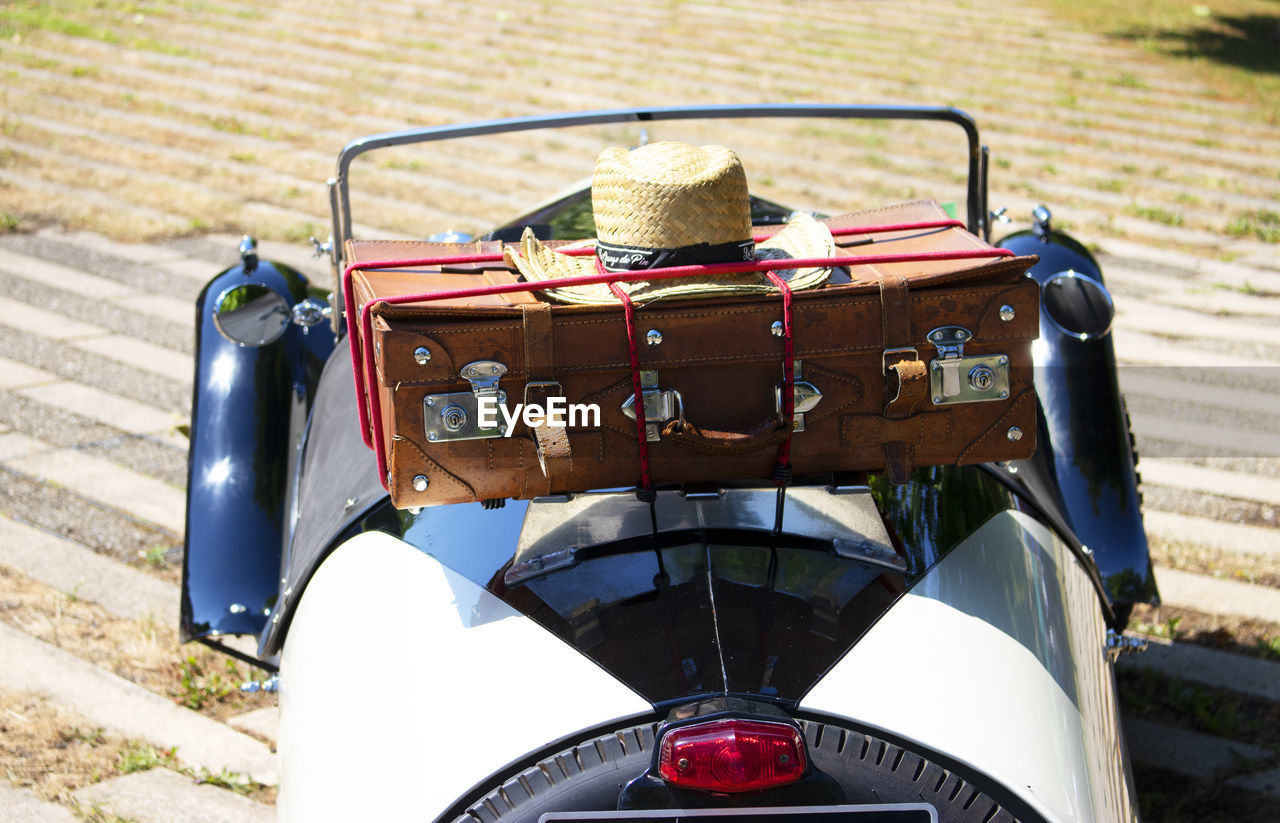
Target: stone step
x,y
1138,348
1201,756
137,495
21,806
1209,667
15,375
1211,534
1154,319
1207,271
63,278
226,196
264,722
29,319
1202,438
120,413
83,202
288,111
1180,474
76,569
1221,302
155,191
1164,384
879,57
141,355
148,357
116,704
278,45
1225,598
145,253
162,796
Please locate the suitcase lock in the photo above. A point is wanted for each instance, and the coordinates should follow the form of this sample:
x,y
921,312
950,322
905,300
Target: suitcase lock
x,y
806,394
954,378
457,415
660,405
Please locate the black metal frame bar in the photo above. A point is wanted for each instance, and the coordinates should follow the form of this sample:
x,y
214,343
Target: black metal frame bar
x,y
339,192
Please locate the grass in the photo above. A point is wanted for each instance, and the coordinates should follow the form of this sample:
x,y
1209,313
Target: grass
x,y
1167,629
1238,635
232,781
1258,225
1156,214
299,232
136,756
1229,45
1269,648
157,557
1130,80
95,813
1170,797
20,18
200,686
1220,712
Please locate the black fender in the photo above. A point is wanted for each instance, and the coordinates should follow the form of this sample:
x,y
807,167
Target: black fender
x,y
1085,464
248,413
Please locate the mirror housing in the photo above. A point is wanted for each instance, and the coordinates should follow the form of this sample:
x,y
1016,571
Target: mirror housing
x,y
251,314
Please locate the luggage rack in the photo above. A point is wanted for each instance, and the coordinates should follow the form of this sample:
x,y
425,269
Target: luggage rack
x,y
360,330
977,219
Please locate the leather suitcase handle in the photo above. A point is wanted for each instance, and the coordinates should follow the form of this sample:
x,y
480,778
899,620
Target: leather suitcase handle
x,y
683,433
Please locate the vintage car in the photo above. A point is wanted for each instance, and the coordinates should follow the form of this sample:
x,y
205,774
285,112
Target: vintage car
x,y
939,650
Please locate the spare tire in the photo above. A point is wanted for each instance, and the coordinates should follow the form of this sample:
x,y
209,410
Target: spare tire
x,y
589,776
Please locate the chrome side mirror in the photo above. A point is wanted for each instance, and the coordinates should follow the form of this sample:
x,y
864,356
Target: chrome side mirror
x,y
251,315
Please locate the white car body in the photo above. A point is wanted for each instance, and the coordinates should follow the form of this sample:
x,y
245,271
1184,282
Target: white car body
x,y
466,685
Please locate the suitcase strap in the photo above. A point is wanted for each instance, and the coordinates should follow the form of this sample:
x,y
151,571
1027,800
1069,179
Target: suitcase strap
x,y
550,442
645,491
685,434
901,358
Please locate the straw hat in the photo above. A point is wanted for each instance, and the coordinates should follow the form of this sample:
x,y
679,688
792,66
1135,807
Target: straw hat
x,y
672,204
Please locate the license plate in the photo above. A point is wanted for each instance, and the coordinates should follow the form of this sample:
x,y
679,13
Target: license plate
x,y
879,813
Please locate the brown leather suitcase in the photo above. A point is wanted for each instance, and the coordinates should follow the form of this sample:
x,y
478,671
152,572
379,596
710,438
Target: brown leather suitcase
x,y
904,364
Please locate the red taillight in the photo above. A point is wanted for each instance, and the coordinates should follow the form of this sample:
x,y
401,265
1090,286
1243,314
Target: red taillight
x,y
732,756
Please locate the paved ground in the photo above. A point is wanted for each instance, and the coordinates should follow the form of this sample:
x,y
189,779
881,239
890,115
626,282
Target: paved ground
x,y
174,118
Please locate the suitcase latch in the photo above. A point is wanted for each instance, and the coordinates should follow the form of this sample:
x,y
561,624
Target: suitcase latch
x,y
659,405
468,415
806,397
954,378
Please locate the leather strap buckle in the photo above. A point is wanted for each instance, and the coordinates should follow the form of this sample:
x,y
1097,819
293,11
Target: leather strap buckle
x,y
549,388
904,351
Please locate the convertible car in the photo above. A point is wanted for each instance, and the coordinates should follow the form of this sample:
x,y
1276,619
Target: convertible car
x,y
939,650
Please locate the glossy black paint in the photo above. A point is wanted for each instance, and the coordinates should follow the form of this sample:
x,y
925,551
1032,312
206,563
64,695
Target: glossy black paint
x,y
785,610
1084,463
335,486
248,413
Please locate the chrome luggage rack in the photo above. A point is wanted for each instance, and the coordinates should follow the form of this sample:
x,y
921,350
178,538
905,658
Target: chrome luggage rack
x,y
977,217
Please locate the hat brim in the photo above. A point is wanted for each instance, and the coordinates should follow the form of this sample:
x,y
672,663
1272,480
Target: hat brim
x,y
802,237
